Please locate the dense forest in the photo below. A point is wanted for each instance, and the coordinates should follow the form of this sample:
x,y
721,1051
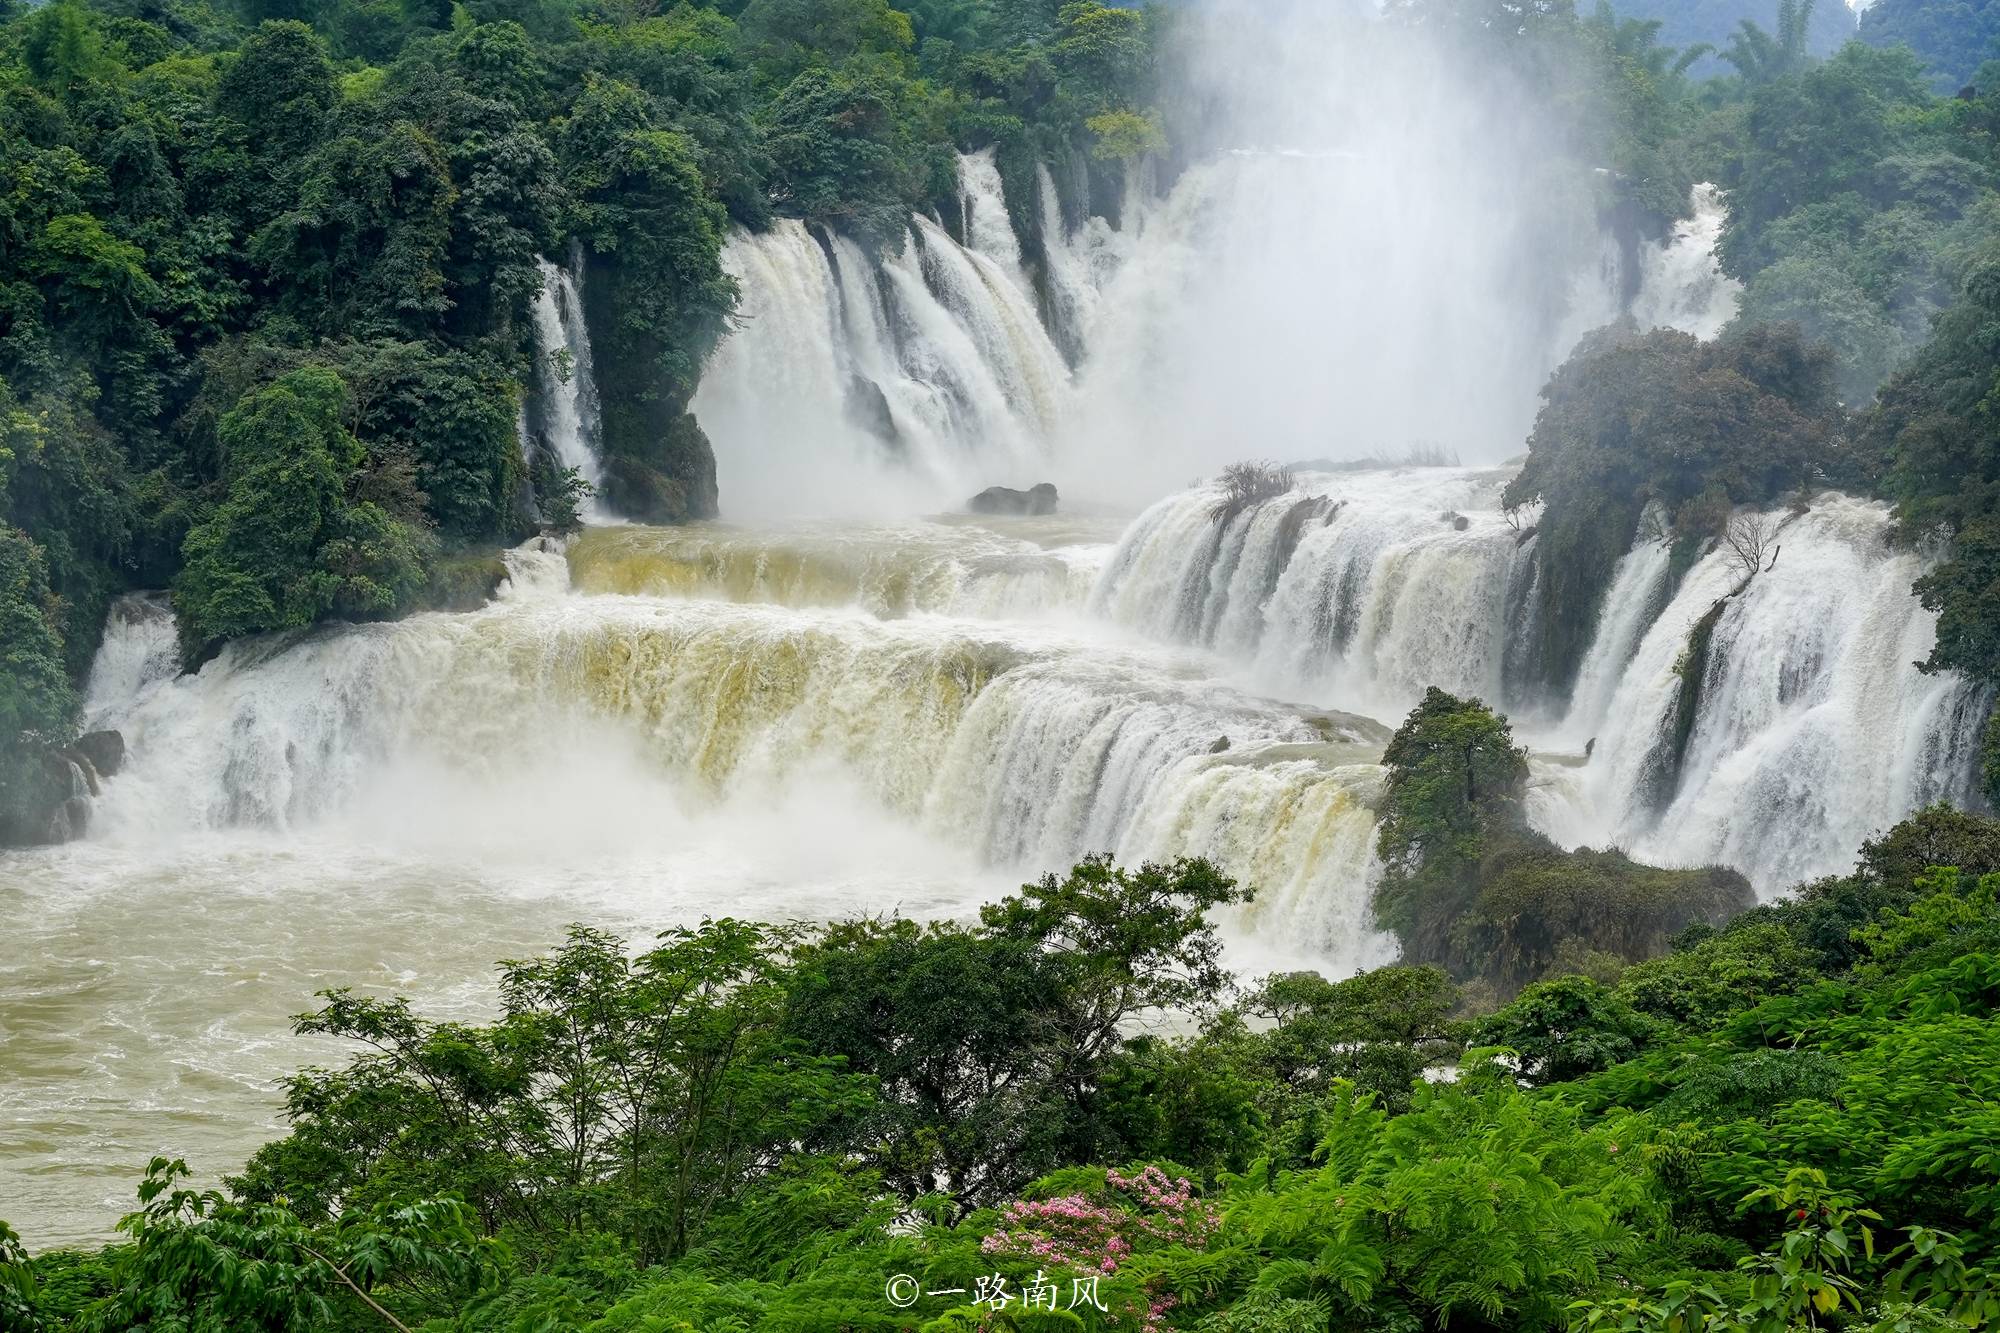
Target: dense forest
x,y
1952,37
1786,1122
265,273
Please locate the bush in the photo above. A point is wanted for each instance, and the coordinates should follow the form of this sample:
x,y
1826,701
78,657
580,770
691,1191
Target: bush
x,y
1246,485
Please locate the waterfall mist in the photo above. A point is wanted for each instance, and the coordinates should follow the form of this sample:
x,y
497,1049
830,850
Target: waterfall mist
x,y
1369,243
1374,252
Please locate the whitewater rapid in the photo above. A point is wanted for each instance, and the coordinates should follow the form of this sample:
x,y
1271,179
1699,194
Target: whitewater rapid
x,y
1814,727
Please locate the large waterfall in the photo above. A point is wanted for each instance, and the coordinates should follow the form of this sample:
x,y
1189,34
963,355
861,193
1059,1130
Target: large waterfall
x,y
1027,745
844,707
1815,728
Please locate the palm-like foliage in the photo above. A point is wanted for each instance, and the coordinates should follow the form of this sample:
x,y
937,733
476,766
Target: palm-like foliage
x,y
1760,57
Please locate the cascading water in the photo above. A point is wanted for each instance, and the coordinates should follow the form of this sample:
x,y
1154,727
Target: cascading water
x,y
875,382
1676,284
140,650
1362,587
1680,286
1029,746
566,391
1814,727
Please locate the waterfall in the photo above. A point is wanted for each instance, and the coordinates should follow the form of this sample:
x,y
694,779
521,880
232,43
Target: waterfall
x,y
1677,283
1680,286
1361,588
862,382
140,649
567,395
1030,747
1630,605
988,229
1814,730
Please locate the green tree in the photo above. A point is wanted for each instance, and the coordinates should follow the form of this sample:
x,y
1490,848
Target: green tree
x,y
1564,1028
287,546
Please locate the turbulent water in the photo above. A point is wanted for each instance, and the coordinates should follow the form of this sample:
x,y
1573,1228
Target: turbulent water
x,y
1815,728
803,717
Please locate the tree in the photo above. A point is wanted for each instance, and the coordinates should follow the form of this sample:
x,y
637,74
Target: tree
x,y
634,1096
656,296
277,92
1455,776
287,546
990,1044
1378,1031
1761,57
1564,1028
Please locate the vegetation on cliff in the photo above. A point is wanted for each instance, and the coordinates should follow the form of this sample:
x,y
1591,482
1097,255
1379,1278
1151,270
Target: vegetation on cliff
x,y
1467,885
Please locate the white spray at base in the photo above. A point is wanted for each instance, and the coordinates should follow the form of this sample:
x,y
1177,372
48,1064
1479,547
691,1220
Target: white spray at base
x,y
1029,746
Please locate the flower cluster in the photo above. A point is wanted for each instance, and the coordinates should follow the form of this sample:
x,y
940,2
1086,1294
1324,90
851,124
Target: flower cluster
x,y
1079,1232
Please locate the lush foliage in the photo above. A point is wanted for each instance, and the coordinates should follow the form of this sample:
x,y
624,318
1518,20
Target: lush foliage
x,y
1468,885
1954,39
1785,1123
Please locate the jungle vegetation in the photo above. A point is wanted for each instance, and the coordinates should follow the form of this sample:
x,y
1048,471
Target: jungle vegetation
x,y
1786,1122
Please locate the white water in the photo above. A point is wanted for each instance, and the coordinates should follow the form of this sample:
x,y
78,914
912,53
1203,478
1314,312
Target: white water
x,y
1678,284
871,385
567,393
138,653
1815,729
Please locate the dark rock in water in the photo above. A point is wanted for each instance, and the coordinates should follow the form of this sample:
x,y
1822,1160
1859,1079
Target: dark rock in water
x,y
1005,500
867,408
104,749
1221,744
44,799
671,481
1460,523
463,582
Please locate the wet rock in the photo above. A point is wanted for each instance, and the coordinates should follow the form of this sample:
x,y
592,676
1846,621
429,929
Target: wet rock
x,y
1005,500
45,799
104,749
666,478
867,409
1221,744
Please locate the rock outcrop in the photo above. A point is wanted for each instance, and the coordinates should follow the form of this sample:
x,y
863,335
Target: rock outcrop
x,y
1005,500
104,749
